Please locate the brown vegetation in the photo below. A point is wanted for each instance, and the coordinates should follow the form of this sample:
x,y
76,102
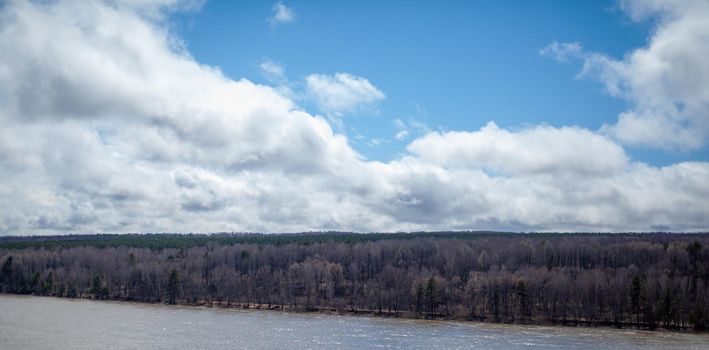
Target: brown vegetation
x,y
649,281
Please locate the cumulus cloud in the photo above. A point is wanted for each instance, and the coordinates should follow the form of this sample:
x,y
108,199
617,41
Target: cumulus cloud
x,y
541,149
632,198
342,92
109,125
135,106
282,14
666,81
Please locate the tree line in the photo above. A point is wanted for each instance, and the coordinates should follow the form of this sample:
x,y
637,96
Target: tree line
x,y
186,240
639,280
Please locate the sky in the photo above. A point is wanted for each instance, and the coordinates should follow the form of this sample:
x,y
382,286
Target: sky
x,y
224,116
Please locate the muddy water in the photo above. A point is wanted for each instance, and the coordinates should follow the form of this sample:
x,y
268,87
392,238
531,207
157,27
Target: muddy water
x,y
52,323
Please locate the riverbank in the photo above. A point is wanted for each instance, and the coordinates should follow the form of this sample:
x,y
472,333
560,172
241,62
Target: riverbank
x,y
634,281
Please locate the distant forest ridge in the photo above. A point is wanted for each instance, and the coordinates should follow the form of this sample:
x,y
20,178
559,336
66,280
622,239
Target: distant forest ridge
x,y
184,240
645,280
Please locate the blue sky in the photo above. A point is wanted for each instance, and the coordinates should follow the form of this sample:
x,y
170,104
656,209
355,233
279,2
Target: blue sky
x,y
452,66
163,116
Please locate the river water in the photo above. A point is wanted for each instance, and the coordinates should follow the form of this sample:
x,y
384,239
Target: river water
x,y
53,323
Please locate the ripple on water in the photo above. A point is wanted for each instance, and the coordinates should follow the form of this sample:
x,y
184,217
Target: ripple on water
x,y
81,324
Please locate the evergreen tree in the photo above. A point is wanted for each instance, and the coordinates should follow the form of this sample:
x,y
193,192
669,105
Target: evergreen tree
x,y
431,295
637,295
172,287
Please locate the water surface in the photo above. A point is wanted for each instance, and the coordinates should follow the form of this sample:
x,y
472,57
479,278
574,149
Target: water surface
x,y
53,323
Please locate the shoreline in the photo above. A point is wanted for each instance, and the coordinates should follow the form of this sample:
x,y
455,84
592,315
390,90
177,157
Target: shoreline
x,y
640,282
400,315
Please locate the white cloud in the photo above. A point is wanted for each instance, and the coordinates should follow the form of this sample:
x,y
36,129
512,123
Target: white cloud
x,y
108,126
562,51
376,142
282,14
410,126
666,81
541,149
342,92
60,78
401,135
273,71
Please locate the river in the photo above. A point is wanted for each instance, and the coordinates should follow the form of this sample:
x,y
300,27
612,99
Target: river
x,y
53,323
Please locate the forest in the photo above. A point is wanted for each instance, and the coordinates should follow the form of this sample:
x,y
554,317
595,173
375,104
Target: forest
x,y
651,280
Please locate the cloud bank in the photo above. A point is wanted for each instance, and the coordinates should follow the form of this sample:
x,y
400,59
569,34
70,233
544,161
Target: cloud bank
x,y
109,125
